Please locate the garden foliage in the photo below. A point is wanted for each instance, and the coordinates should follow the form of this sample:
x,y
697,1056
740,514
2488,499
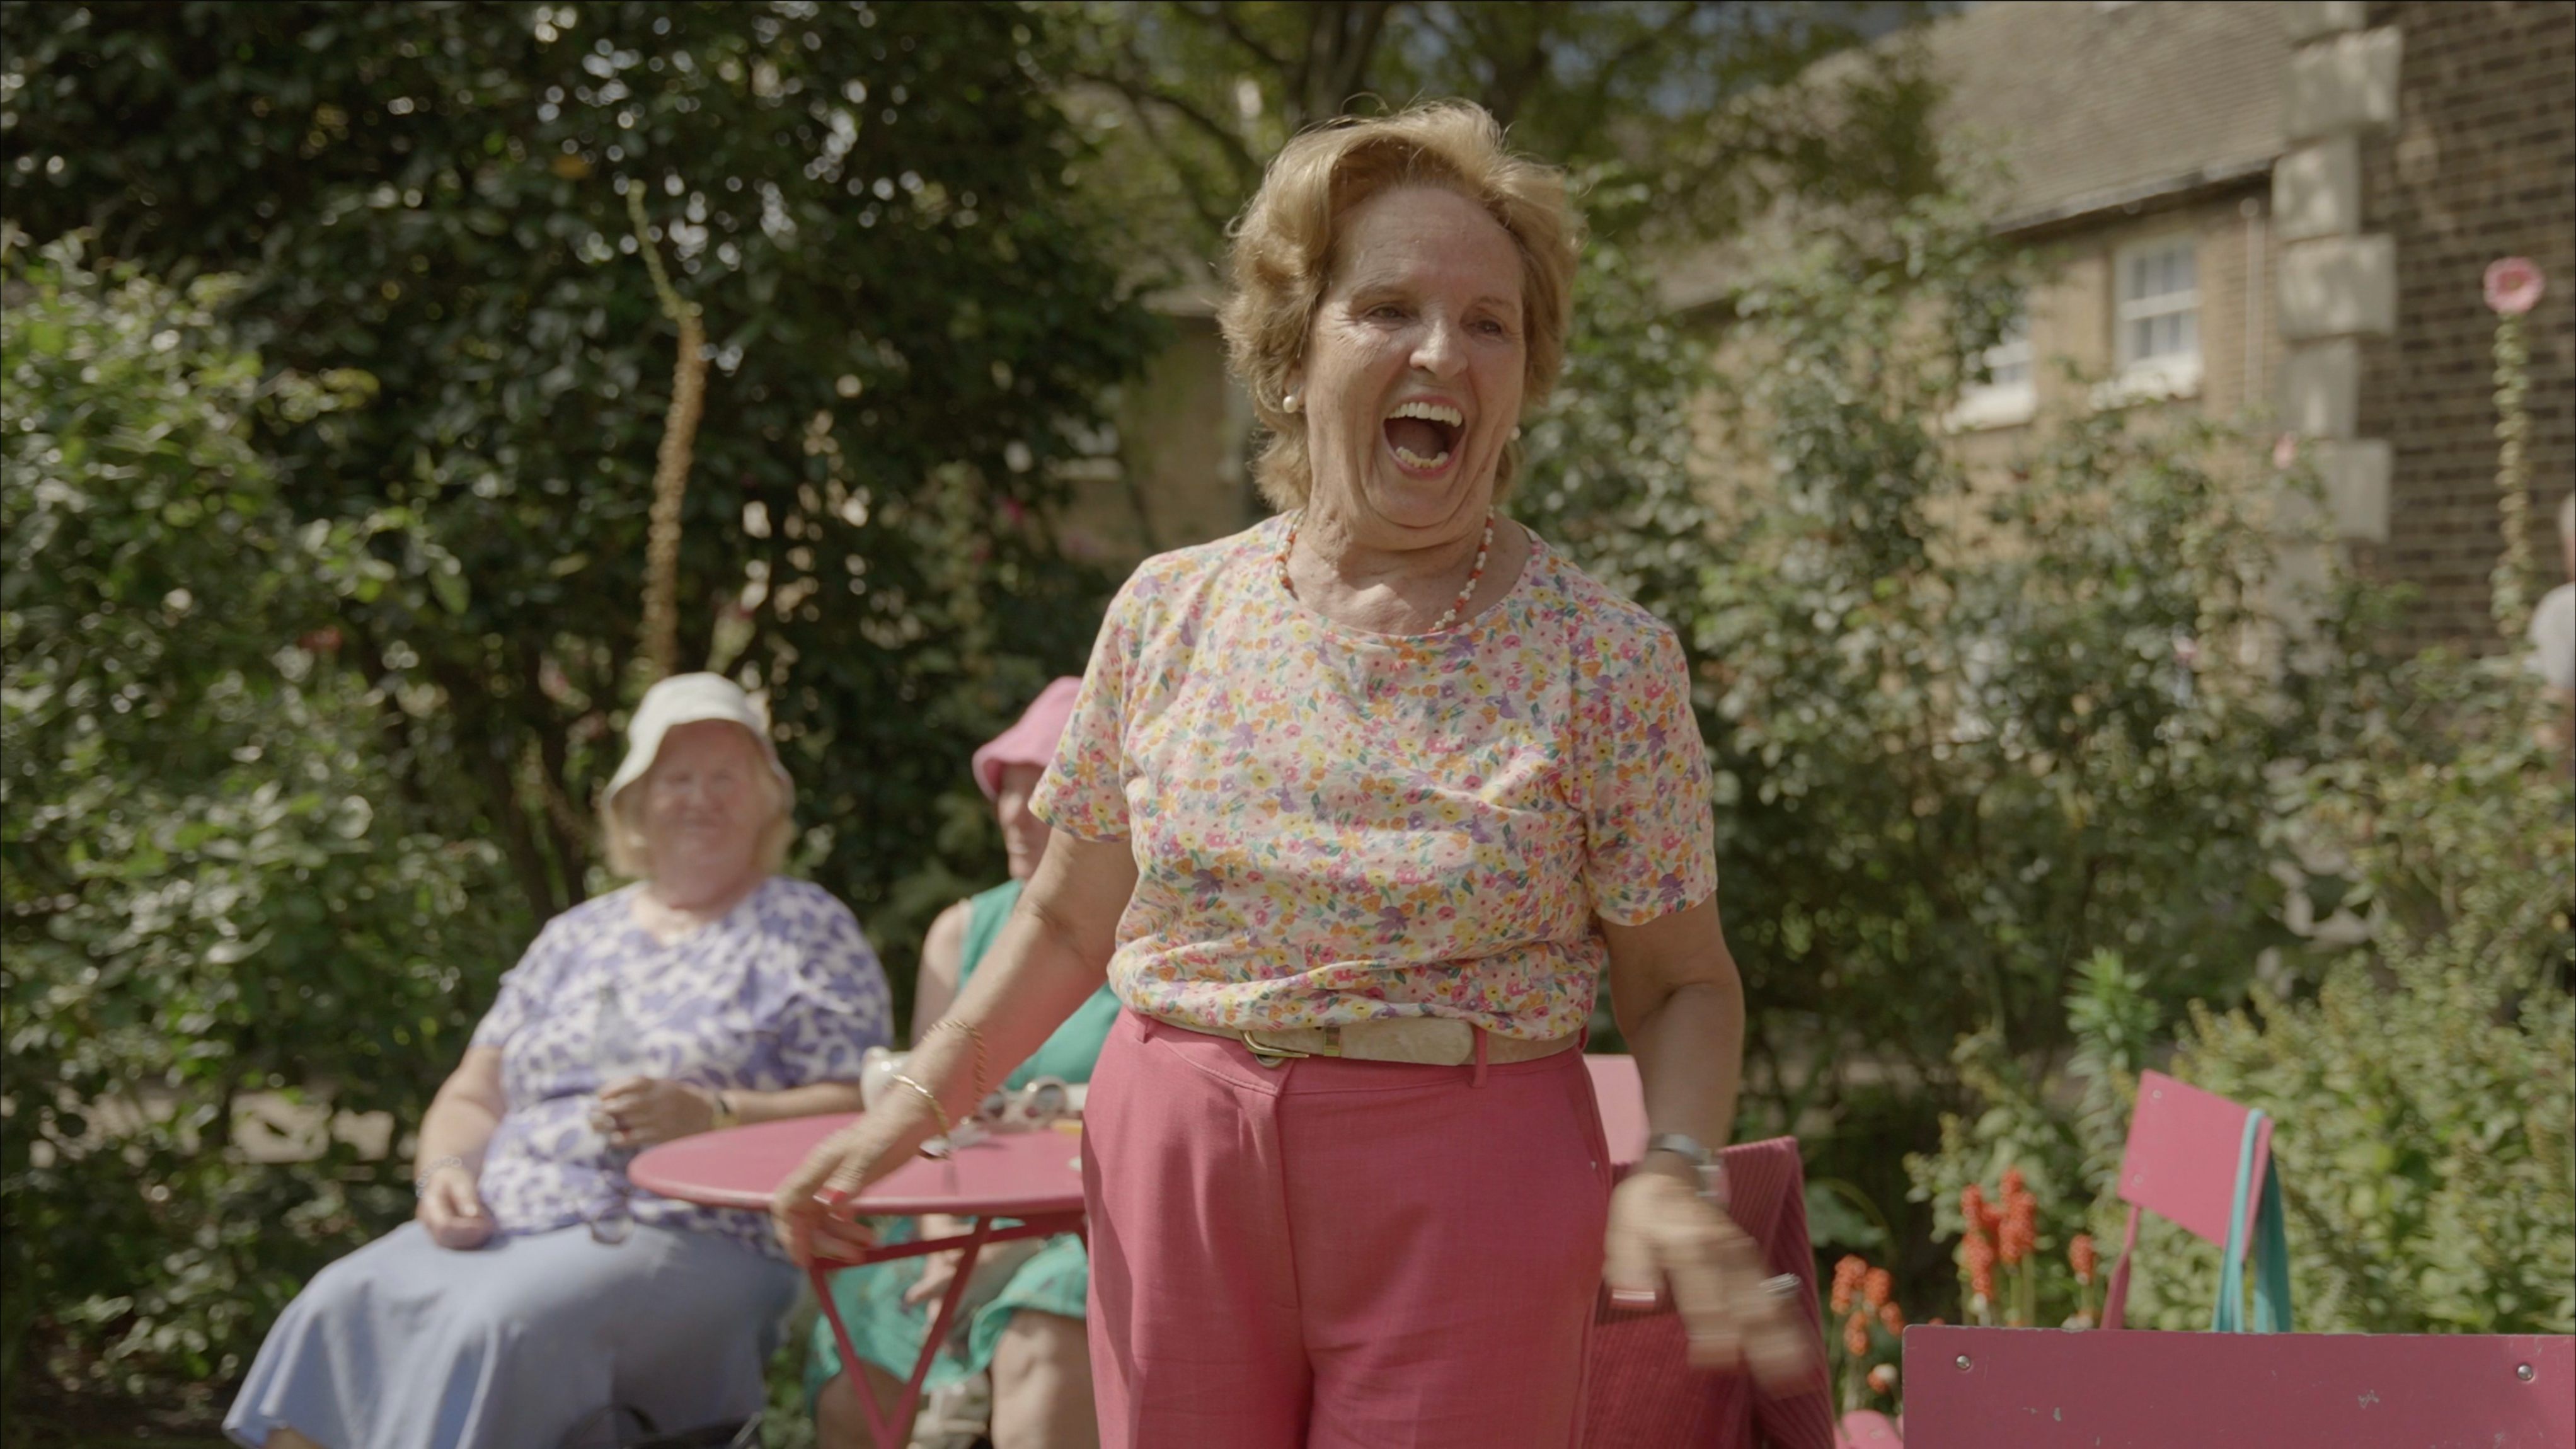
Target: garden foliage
x,y
1967,737
215,882
913,318
913,315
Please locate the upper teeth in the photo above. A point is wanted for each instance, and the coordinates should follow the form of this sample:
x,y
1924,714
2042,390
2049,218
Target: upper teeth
x,y
1432,412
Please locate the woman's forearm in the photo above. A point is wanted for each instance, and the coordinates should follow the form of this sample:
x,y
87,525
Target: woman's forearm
x,y
1690,1060
1048,959
1680,1003
456,1126
810,1100
1030,982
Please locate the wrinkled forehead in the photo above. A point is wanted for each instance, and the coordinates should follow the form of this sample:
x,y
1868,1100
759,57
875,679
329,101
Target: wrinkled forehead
x,y
1420,234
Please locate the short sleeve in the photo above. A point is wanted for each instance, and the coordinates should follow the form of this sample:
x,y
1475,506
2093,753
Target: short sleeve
x,y
1084,792
835,1005
524,988
1650,840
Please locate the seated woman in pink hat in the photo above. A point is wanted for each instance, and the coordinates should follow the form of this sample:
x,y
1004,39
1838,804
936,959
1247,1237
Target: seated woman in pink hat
x,y
1026,1325
536,1291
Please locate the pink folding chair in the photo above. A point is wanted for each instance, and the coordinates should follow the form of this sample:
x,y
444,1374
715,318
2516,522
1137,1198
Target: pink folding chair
x,y
2181,1162
1641,1392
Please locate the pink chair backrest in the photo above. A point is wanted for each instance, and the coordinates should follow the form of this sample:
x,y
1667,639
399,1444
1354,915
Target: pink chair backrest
x,y
2180,1163
1640,1392
2181,1159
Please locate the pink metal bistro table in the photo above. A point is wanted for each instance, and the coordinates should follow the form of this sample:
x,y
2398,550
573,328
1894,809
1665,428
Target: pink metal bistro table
x,y
1033,1177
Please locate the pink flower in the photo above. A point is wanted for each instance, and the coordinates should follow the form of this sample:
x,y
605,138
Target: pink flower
x,y
2514,285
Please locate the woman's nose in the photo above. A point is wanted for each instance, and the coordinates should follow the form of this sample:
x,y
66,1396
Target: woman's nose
x,y
1439,353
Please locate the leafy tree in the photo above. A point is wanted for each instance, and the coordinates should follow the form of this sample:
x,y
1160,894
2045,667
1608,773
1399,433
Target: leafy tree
x,y
1194,98
211,886
911,315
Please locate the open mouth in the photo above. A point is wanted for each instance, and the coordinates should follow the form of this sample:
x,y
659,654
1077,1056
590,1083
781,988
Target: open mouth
x,y
1424,436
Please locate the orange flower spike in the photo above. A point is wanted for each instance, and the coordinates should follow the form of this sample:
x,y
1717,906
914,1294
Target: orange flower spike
x,y
2081,1257
1972,1207
1878,1288
1892,1317
1847,1276
2014,1183
2021,1222
1856,1333
1977,1255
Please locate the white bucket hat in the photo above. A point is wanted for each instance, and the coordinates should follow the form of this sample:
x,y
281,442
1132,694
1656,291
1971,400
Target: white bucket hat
x,y
687,699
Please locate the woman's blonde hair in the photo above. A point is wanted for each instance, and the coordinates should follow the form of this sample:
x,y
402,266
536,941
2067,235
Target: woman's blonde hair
x,y
1281,260
621,826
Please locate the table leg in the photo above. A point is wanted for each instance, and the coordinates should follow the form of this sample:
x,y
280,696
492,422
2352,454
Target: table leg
x,y
910,1400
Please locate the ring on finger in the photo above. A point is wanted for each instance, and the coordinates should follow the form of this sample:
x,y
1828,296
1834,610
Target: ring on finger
x,y
1782,1285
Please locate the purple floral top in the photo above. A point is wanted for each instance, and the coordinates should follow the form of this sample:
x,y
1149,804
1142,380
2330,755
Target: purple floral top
x,y
781,992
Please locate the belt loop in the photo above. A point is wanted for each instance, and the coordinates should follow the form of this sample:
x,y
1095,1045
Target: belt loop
x,y
1479,1079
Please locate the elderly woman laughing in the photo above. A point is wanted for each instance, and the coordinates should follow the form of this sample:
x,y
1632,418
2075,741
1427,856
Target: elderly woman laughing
x,y
535,1289
1353,811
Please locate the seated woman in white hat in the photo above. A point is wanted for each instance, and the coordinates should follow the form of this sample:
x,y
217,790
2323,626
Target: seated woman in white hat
x,y
535,1288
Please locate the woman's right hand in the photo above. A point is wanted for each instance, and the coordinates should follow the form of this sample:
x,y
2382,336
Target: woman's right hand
x,y
807,1213
452,1209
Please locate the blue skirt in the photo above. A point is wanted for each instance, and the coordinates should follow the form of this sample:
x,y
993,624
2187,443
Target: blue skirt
x,y
407,1345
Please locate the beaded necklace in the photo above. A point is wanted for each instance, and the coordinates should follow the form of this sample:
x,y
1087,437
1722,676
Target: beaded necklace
x,y
1448,620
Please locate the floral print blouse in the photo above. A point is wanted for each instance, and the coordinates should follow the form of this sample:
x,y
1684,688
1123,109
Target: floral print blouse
x,y
1332,825
781,992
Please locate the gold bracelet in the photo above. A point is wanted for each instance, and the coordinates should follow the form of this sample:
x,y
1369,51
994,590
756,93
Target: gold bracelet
x,y
959,1023
938,1114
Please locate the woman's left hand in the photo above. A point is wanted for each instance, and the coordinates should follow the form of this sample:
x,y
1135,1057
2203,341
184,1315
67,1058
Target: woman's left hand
x,y
641,1111
1662,1231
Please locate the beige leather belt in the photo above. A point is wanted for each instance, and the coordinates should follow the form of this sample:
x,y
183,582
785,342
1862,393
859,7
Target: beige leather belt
x,y
1436,1041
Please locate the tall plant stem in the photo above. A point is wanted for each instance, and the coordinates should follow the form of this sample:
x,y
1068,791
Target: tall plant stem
x,y
2510,587
671,465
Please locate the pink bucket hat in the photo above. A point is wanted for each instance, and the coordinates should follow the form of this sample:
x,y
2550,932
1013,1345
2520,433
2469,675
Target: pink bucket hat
x,y
1032,740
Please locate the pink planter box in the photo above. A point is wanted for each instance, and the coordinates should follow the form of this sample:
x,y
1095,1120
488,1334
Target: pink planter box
x,y
2043,1388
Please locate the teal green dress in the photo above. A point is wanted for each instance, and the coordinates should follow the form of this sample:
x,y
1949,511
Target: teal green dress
x,y
887,1331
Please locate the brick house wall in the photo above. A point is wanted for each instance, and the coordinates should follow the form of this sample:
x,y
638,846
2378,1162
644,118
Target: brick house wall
x,y
2480,164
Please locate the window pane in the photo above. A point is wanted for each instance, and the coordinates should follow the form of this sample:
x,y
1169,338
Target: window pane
x,y
2142,338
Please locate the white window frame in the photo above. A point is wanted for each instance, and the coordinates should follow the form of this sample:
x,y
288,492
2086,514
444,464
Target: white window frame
x,y
2002,403
2163,374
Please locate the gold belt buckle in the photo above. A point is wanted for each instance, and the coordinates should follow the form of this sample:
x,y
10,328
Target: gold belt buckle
x,y
1270,1055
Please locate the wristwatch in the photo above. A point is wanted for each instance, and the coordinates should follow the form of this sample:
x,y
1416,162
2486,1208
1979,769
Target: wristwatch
x,y
1711,1168
724,1114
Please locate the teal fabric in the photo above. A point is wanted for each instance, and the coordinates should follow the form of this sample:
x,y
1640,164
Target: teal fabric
x,y
1068,1055
2270,1249
888,1332
884,1329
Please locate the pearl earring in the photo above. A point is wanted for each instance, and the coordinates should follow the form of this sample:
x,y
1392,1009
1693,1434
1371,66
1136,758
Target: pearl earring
x,y
1288,404
1516,432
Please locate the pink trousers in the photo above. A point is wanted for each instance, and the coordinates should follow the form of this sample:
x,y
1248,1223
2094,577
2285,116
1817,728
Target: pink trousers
x,y
1335,1253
